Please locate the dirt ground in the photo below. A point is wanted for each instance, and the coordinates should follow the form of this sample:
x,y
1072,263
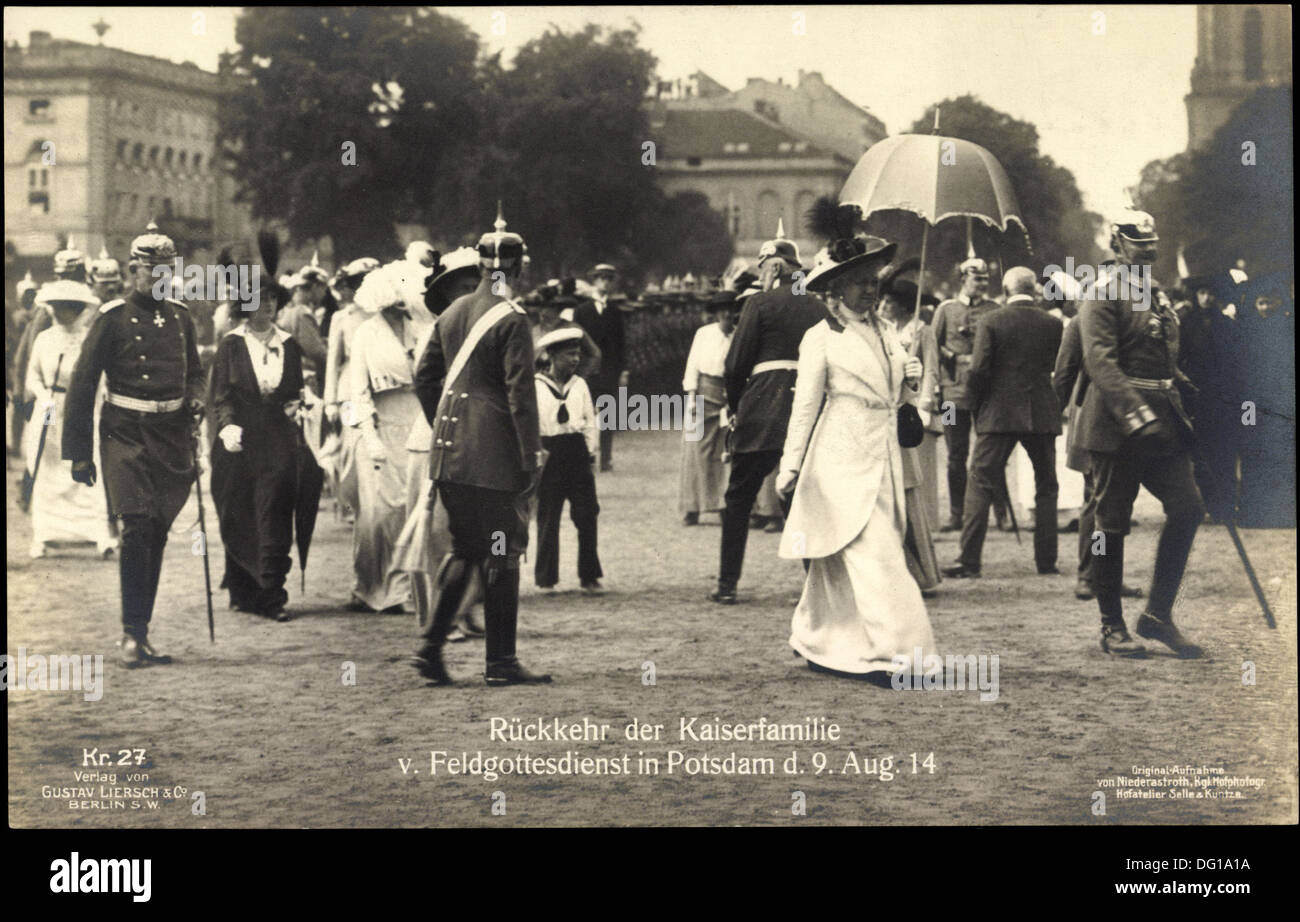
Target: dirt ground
x,y
265,726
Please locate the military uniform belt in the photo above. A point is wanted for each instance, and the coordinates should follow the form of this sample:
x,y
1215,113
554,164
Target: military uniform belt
x,y
774,365
145,406
1151,384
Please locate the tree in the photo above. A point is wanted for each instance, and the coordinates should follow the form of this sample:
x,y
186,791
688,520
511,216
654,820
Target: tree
x,y
343,120
569,126
1049,198
1231,199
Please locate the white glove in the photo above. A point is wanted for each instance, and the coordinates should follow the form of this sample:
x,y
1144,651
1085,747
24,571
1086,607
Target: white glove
x,y
231,436
912,369
926,417
785,481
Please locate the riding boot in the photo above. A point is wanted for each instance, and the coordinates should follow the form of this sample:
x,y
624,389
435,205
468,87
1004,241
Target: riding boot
x,y
1107,583
450,583
501,614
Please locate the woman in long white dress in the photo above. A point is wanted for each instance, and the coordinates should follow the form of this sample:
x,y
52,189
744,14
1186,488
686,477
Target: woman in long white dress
x,y
61,508
384,407
861,613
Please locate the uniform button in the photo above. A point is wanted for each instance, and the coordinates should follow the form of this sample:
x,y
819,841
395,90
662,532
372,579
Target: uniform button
x,y
142,358
145,377
444,419
453,419
135,320
448,444
464,395
139,337
438,442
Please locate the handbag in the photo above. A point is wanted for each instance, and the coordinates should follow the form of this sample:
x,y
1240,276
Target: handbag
x,y
911,431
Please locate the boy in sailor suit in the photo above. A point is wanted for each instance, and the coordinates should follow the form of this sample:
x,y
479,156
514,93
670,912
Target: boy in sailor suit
x,y
570,434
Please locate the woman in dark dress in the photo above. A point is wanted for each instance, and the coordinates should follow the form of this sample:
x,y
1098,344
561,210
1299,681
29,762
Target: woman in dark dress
x,y
257,383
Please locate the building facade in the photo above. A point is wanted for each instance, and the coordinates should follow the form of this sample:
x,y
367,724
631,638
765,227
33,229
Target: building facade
x,y
1238,50
99,142
761,155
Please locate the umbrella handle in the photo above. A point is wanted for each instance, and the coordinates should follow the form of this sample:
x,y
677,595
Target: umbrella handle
x,y
920,273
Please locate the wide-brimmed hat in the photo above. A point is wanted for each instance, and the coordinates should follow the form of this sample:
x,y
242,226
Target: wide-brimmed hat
x,y
356,270
397,284
457,262
65,291
850,254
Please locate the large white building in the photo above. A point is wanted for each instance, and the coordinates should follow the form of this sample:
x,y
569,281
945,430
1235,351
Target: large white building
x,y
98,142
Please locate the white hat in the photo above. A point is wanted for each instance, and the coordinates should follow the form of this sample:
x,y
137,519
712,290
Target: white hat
x,y
420,251
398,284
65,290
562,335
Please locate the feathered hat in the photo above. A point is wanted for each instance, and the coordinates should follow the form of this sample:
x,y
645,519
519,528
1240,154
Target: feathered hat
x,y
847,249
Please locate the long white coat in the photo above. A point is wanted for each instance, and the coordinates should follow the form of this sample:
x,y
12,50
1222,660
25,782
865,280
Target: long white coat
x,y
855,440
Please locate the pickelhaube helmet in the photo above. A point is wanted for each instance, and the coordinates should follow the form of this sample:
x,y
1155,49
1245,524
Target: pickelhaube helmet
x,y
975,266
25,284
68,260
153,248
499,248
779,246
105,268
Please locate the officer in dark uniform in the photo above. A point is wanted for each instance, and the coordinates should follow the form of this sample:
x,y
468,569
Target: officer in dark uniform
x,y
1132,422
147,348
486,456
759,377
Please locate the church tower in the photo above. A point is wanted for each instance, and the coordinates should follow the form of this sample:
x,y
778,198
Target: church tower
x,y
1238,50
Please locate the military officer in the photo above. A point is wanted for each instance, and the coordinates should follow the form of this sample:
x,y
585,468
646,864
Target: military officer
x,y
106,277
759,376
954,333
1132,423
146,346
475,383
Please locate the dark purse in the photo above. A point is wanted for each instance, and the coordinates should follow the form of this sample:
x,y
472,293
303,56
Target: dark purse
x,y
910,428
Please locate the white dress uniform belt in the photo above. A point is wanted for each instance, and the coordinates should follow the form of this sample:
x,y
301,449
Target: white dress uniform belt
x,y
1151,384
774,365
145,406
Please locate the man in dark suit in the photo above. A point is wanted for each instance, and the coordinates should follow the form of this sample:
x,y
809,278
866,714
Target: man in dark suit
x,y
602,318
1009,385
759,377
475,384
1133,425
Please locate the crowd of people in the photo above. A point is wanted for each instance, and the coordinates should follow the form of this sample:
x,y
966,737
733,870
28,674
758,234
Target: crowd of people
x,y
442,410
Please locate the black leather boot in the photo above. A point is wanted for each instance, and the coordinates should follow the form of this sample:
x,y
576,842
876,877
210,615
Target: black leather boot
x,y
1107,584
1163,631
450,583
501,614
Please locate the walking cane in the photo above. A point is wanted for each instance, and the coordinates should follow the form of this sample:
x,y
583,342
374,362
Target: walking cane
x,y
203,530
29,487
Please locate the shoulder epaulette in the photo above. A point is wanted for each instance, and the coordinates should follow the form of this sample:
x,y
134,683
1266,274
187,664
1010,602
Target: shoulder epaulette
x,y
108,306
178,304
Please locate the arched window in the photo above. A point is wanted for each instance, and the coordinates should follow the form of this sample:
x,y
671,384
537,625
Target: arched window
x,y
153,156
198,162
137,153
167,157
121,148
1252,44
803,203
181,157
768,214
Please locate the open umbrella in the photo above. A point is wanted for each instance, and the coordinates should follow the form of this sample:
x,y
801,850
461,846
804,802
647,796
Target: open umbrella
x,y
933,177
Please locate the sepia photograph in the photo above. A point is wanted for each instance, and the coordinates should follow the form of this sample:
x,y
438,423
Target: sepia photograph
x,y
650,416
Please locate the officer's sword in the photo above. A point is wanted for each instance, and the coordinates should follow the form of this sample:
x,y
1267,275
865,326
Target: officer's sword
x,y
203,530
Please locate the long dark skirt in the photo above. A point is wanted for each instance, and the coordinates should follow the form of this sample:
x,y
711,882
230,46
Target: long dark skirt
x,y
255,494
